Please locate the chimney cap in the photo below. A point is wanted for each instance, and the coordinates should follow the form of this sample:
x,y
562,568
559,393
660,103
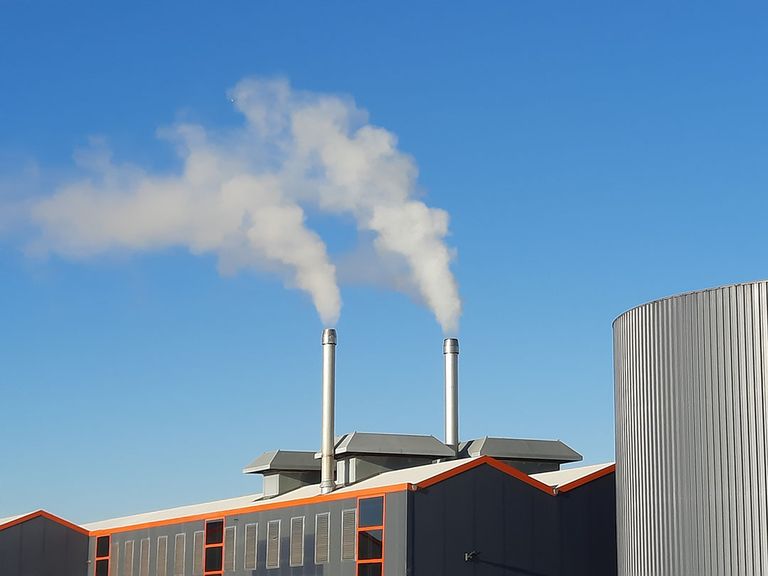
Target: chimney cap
x,y
451,346
329,336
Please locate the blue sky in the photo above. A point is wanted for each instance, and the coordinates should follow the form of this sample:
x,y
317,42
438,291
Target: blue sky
x,y
591,157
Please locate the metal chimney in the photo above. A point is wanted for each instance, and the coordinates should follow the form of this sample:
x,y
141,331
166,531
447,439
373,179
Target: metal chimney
x,y
327,483
451,355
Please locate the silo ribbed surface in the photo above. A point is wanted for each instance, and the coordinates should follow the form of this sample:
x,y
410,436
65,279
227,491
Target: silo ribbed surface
x,y
691,376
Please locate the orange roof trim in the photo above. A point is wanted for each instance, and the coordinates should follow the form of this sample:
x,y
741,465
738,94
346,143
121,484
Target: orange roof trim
x,y
49,516
522,476
587,479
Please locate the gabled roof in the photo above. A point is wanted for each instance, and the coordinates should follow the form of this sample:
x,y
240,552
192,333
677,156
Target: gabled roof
x,y
21,518
283,461
392,444
520,449
565,480
415,478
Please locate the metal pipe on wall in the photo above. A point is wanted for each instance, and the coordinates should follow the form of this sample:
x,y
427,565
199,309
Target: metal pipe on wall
x,y
327,482
451,356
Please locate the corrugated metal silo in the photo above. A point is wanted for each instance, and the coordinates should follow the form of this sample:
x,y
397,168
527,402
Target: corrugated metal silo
x,y
691,376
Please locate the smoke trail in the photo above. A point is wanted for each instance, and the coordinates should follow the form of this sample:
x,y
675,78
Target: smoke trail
x,y
241,195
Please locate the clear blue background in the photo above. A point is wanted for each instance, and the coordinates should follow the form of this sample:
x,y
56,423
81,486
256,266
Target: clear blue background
x,y
592,156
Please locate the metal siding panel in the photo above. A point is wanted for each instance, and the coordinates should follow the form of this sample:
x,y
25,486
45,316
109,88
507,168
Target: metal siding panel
x,y
691,433
179,547
348,534
161,563
197,553
296,556
114,560
128,559
251,541
144,557
230,535
273,544
322,538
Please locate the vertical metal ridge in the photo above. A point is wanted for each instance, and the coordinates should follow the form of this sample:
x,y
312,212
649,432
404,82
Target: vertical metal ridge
x,y
691,379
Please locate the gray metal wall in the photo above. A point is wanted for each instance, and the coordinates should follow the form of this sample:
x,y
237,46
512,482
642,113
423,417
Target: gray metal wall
x,y
691,433
394,552
41,547
516,528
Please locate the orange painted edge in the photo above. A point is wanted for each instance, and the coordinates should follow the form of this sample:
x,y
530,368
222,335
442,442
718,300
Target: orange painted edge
x,y
587,479
49,516
522,476
256,508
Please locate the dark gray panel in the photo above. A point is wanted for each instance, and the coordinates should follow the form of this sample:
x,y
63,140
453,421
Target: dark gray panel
x,y
515,528
41,547
588,528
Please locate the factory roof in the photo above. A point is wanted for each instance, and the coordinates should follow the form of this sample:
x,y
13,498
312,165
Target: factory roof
x,y
20,518
414,478
283,461
392,444
520,449
564,480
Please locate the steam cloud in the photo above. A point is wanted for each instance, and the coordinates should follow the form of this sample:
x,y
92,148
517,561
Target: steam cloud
x,y
241,195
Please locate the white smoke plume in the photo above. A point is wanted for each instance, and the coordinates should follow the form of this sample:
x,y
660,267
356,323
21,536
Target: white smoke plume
x,y
241,195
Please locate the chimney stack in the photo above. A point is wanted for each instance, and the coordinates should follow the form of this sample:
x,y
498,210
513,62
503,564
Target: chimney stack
x,y
327,482
451,355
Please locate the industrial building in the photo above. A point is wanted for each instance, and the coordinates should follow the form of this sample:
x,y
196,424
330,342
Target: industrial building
x,y
364,505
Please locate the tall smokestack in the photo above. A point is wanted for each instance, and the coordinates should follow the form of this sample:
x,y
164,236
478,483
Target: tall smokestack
x,y
451,355
327,483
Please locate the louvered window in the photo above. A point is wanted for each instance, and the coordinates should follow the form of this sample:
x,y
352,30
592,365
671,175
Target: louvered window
x,y
297,541
273,544
229,548
178,554
128,559
197,554
161,564
144,557
114,560
348,529
251,538
322,541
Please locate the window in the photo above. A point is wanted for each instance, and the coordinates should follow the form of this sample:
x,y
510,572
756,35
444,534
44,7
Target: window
x,y
101,567
214,547
128,559
322,541
273,544
297,541
229,548
251,538
371,512
178,554
348,520
370,536
161,568
144,557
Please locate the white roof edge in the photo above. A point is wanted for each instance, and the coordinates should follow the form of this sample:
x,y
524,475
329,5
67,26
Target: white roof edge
x,y
568,475
4,521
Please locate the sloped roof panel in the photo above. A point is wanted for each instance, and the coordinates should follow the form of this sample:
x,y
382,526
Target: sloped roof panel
x,y
283,460
521,449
